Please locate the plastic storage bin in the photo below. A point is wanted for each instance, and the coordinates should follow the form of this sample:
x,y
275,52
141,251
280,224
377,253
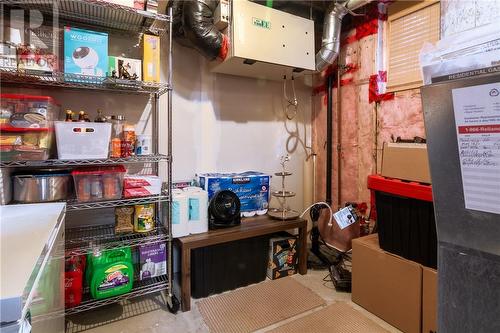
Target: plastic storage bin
x,y
98,183
18,144
405,219
28,111
82,140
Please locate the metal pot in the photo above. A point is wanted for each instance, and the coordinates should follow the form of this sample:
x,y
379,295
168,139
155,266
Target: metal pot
x,y
42,186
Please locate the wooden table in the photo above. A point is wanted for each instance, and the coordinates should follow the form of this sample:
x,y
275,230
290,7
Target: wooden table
x,y
250,227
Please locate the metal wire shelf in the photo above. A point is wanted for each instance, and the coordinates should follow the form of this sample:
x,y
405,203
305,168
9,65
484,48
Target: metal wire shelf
x,y
127,309
140,288
78,81
83,240
56,162
75,205
98,13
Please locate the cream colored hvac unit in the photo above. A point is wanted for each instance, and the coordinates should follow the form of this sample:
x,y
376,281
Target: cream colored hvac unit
x,y
267,43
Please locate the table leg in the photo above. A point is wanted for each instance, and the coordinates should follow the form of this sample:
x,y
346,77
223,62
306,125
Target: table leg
x,y
303,249
185,278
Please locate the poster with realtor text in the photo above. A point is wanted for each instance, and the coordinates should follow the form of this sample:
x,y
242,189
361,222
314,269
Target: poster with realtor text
x,y
477,118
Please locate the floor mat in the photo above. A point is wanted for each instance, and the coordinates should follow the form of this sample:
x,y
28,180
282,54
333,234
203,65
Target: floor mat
x,y
335,318
258,306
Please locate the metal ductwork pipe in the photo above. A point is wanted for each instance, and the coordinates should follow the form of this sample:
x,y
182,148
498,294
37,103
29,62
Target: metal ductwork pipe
x,y
330,43
199,28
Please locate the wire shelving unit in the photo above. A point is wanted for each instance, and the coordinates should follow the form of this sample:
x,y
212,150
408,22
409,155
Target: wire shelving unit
x,y
83,240
155,158
140,288
127,21
30,79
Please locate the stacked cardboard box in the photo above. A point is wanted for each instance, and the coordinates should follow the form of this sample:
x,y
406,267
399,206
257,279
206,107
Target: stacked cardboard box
x,y
429,300
406,161
400,291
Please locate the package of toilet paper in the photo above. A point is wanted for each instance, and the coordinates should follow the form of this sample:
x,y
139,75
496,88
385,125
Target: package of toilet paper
x,y
252,188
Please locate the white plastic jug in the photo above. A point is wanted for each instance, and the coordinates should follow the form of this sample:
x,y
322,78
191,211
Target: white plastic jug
x,y
180,214
198,209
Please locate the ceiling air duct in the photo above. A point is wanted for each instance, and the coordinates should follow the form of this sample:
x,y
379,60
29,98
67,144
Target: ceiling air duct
x,y
260,41
330,43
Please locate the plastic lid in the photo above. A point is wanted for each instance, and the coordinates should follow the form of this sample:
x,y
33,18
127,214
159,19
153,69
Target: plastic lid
x,y
9,128
99,170
22,96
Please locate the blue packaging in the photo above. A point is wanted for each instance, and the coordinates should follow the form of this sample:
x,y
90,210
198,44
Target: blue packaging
x,y
252,188
85,52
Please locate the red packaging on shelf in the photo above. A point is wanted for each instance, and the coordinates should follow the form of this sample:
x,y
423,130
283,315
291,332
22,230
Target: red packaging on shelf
x,y
73,281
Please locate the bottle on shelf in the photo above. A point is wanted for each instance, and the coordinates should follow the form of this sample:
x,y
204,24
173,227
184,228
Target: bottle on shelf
x,y
100,117
69,115
81,116
116,135
128,140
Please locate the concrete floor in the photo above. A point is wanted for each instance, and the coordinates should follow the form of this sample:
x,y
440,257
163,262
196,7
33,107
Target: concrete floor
x,y
147,315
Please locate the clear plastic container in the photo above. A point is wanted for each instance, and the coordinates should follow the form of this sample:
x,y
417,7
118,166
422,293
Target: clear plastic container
x,y
82,140
99,183
18,144
28,111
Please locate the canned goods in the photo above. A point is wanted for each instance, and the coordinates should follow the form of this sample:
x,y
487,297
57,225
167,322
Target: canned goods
x,y
144,218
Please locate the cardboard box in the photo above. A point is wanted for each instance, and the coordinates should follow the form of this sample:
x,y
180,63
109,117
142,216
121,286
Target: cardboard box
x,y
282,256
85,52
151,58
124,68
429,300
137,4
8,56
386,285
38,49
406,161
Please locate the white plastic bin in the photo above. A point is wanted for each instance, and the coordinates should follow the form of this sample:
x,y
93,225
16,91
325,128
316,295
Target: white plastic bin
x,y
82,140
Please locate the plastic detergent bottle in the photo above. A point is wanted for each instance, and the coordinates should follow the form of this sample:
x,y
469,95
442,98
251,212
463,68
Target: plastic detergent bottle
x,y
111,273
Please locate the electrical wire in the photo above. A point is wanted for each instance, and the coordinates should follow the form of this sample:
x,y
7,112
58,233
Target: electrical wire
x,y
320,203
290,102
328,279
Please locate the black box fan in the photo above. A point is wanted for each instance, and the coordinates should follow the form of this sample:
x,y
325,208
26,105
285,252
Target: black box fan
x,y
224,210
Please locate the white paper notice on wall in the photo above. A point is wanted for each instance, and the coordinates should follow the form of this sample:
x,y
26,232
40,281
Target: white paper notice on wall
x,y
477,118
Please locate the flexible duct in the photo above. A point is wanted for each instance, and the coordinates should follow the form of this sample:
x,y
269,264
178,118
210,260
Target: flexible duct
x,y
330,43
199,28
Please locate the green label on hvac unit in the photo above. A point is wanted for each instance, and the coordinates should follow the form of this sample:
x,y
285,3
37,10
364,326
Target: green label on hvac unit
x,y
261,23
